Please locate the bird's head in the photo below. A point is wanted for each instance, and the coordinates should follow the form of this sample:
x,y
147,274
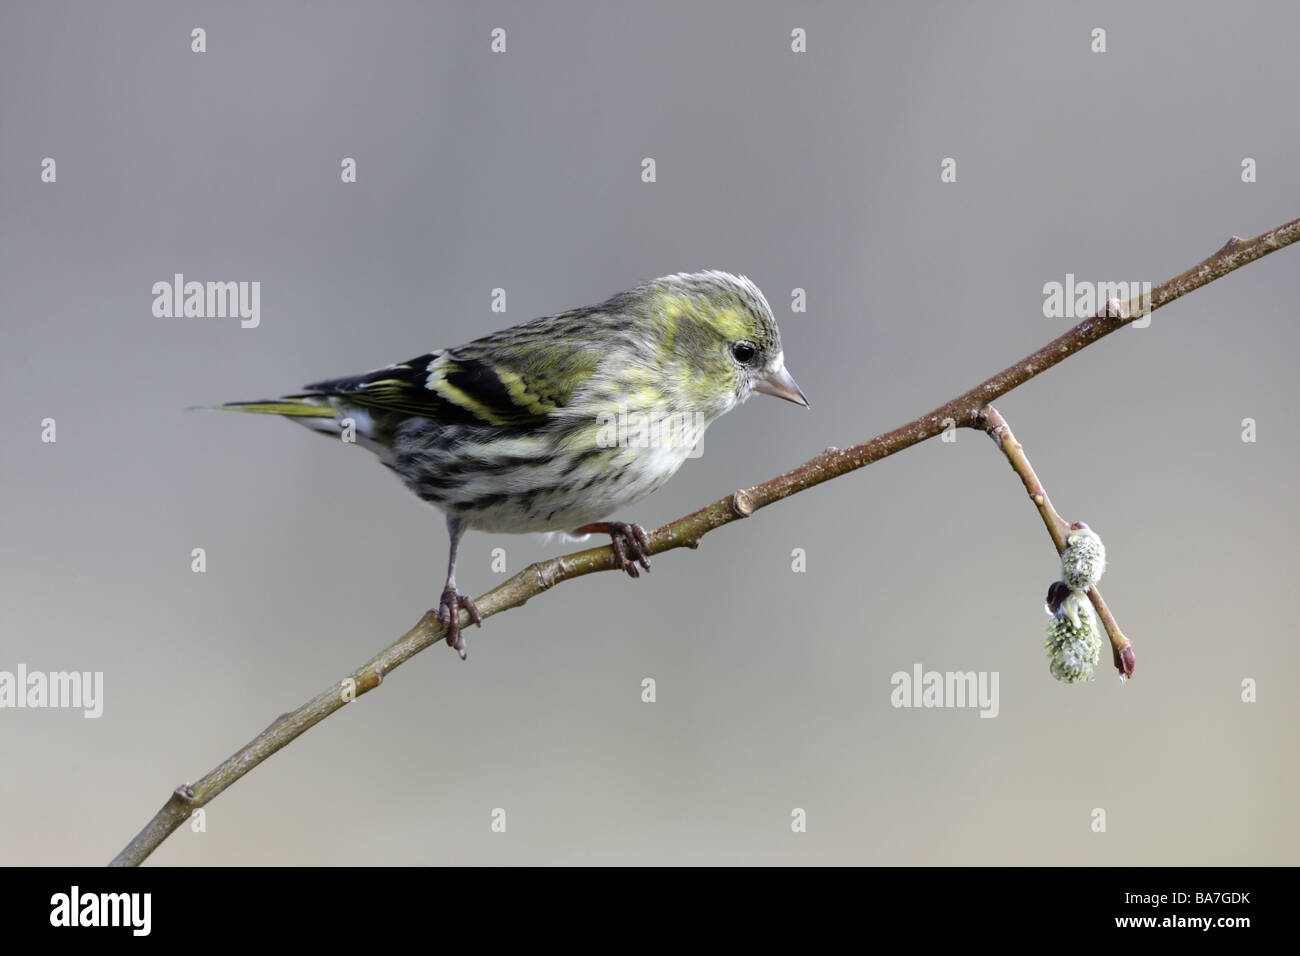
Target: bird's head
x,y
718,339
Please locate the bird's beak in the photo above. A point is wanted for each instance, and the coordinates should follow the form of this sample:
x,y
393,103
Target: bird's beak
x,y
780,383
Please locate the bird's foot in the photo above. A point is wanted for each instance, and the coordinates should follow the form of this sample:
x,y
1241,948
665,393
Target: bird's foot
x,y
630,541
449,608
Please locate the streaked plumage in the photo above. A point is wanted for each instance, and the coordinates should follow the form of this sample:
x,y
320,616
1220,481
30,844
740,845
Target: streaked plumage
x,y
511,433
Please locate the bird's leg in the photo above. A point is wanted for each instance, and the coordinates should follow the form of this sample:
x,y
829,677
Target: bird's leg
x,y
629,541
452,601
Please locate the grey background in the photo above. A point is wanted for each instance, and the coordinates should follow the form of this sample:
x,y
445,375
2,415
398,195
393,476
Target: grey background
x,y
521,170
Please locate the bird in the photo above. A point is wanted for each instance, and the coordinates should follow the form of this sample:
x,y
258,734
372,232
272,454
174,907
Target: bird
x,y
557,423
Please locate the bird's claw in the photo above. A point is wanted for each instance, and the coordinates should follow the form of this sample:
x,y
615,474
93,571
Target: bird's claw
x,y
634,539
449,608
630,542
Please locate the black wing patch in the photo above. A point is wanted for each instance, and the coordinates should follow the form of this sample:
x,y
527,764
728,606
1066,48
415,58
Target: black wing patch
x,y
454,391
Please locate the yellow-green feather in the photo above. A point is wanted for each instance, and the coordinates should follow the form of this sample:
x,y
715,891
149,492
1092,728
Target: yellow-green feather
x,y
293,407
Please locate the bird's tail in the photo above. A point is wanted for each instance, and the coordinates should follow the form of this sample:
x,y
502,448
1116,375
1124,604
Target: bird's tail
x,y
294,406
316,412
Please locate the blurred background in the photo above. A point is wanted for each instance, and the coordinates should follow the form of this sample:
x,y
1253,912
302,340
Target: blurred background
x,y
521,170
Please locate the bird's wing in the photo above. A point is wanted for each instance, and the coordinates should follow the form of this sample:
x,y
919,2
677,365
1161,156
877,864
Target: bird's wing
x,y
516,384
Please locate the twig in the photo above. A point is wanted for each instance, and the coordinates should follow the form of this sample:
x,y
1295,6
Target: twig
x,y
1000,432
963,411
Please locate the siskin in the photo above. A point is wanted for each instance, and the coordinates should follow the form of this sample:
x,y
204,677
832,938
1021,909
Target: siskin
x,y
524,430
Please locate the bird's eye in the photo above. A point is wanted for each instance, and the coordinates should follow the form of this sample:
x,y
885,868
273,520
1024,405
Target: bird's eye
x,y
744,352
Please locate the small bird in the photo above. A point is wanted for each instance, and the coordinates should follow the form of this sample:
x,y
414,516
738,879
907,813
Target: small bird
x,y
557,423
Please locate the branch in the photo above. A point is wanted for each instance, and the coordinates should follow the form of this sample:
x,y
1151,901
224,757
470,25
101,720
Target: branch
x,y
964,411
1000,432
